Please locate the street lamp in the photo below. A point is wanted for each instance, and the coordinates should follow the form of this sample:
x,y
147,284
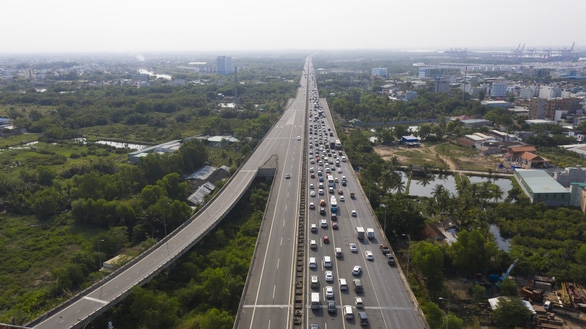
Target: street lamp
x,y
385,225
99,253
447,319
165,217
408,254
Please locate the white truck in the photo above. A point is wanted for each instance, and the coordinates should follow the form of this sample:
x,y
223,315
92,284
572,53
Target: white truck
x,y
315,304
360,232
370,233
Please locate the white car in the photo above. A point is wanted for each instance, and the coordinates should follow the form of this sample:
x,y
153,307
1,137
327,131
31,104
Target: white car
x,y
321,191
358,302
353,213
342,198
329,276
356,270
312,263
311,186
313,244
313,228
329,292
369,255
311,205
327,261
339,170
324,223
353,247
312,193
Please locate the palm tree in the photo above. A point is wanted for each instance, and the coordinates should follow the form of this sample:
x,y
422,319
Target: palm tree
x,y
437,191
387,179
496,192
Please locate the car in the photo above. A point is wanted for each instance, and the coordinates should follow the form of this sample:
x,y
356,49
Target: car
x,y
327,261
334,217
324,223
322,211
313,244
322,202
334,225
298,138
329,276
287,175
320,174
369,255
340,191
314,282
326,239
339,170
331,307
342,198
344,183
353,247
312,175
321,179
313,228
314,326
331,190
311,170
312,263
358,302
311,205
355,271
329,292
311,186
311,161
354,213
312,194
321,191
328,170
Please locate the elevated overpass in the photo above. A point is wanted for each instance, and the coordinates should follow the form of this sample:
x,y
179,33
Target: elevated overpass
x,y
278,144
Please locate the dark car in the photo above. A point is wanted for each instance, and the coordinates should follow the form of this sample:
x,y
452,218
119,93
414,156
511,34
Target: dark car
x,y
331,307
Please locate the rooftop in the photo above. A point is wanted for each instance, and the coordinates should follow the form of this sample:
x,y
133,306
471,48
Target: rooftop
x,y
540,182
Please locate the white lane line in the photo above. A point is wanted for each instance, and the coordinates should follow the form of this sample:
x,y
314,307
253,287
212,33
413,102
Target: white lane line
x,y
274,290
265,306
95,300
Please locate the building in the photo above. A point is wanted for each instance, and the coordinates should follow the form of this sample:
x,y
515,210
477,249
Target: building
x,y
499,89
224,65
501,104
541,187
561,104
442,85
216,141
379,71
570,175
410,141
547,92
537,108
476,123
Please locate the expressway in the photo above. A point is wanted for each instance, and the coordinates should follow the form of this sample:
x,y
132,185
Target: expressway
x,y
388,301
281,141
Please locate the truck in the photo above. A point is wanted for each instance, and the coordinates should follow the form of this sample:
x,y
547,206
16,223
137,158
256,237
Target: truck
x,y
315,303
334,204
384,249
360,232
370,233
352,196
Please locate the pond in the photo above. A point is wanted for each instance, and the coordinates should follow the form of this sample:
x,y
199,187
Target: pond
x,y
449,183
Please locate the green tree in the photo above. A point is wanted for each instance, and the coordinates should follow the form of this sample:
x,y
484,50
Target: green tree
x,y
433,315
153,309
509,288
46,203
429,260
216,319
510,314
469,253
45,175
478,293
194,155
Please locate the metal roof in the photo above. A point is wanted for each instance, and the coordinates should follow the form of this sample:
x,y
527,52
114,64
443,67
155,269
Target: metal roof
x,y
541,182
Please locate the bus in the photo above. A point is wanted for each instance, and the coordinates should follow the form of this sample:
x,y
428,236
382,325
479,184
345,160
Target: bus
x,y
330,181
338,144
334,204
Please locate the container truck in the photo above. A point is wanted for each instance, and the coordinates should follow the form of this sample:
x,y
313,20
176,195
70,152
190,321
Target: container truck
x,y
360,232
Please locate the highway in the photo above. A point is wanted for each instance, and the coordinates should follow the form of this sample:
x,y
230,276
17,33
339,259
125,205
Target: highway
x,y
270,292
388,301
281,141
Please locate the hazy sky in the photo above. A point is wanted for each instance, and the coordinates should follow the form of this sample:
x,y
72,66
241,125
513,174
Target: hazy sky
x,y
173,25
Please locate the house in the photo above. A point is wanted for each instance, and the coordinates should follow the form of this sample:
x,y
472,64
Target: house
x,y
570,175
410,141
514,153
532,160
216,141
433,232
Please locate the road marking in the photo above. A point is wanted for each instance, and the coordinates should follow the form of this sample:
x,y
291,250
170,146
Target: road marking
x,y
95,300
266,306
274,289
278,263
